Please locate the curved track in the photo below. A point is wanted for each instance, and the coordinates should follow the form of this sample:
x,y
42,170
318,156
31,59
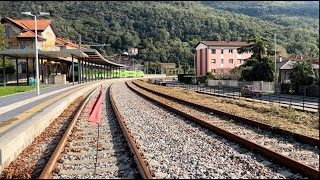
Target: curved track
x,y
299,157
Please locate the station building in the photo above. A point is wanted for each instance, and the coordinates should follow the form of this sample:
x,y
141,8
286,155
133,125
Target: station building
x,y
56,55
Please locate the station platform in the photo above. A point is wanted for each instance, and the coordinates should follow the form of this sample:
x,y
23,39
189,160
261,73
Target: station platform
x,y
16,108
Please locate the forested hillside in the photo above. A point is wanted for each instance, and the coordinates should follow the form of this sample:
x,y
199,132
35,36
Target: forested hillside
x,y
303,14
163,31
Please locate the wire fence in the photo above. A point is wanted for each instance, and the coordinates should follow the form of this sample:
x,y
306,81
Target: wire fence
x,y
304,103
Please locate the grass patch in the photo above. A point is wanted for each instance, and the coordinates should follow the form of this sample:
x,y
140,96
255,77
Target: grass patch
x,y
306,123
4,91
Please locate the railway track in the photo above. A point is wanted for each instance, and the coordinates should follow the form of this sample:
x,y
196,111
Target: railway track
x,y
86,151
298,156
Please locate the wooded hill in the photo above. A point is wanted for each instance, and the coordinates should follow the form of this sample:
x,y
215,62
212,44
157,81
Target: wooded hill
x,y
166,31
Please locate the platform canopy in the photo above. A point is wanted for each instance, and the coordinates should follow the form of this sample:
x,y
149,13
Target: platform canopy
x,y
86,54
97,58
30,53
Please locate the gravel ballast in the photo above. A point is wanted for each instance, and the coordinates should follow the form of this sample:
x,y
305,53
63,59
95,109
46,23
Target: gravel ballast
x,y
177,148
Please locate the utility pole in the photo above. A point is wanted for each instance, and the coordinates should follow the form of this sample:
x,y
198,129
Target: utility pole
x,y
80,41
147,67
275,63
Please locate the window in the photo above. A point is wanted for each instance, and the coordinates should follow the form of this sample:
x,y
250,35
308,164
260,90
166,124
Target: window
x,y
221,51
213,61
213,51
9,45
22,46
230,61
230,51
240,61
221,61
213,70
7,31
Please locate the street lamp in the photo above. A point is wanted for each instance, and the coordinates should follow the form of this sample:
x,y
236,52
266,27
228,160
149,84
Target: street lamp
x,y
275,61
194,66
36,43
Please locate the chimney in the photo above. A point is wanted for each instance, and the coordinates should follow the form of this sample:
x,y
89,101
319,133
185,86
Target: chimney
x,y
280,58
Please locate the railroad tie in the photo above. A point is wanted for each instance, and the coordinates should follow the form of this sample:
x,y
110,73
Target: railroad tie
x,y
105,145
87,161
99,170
113,151
107,140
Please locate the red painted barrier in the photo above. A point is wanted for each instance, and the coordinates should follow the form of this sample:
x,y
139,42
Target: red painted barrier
x,y
95,110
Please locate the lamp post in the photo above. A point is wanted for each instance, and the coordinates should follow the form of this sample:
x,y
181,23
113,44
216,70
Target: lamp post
x,y
36,44
194,65
275,61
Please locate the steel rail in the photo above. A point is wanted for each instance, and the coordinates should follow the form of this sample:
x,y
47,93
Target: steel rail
x,y
142,167
279,158
296,136
47,171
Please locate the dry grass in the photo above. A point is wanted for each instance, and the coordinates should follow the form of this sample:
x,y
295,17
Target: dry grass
x,y
278,117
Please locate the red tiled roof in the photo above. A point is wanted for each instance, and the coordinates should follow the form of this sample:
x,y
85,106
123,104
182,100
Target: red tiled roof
x,y
29,24
28,34
224,43
68,43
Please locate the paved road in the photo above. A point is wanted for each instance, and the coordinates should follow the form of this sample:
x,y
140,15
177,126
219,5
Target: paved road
x,y
298,102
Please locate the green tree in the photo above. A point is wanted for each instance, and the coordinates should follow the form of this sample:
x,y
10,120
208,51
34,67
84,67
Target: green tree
x,y
9,67
3,39
302,73
258,70
258,46
185,66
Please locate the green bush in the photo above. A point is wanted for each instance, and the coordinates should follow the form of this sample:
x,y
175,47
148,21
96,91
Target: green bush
x,y
202,79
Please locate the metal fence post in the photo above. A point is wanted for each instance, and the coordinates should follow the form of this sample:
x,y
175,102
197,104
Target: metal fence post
x,y
269,98
232,94
290,100
302,102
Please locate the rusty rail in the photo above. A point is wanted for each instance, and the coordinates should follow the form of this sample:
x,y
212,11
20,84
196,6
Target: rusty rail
x,y
47,171
144,171
286,161
296,136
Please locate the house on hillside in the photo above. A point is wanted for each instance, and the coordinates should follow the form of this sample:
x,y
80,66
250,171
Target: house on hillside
x,y
285,65
218,56
168,68
132,51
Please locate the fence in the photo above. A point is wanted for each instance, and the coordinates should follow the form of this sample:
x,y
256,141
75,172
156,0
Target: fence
x,y
264,86
12,78
310,104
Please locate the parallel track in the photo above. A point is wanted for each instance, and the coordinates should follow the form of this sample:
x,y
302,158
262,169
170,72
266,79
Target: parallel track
x,y
75,155
302,168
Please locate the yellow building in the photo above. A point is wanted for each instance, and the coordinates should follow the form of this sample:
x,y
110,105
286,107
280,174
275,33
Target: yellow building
x,y
21,35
